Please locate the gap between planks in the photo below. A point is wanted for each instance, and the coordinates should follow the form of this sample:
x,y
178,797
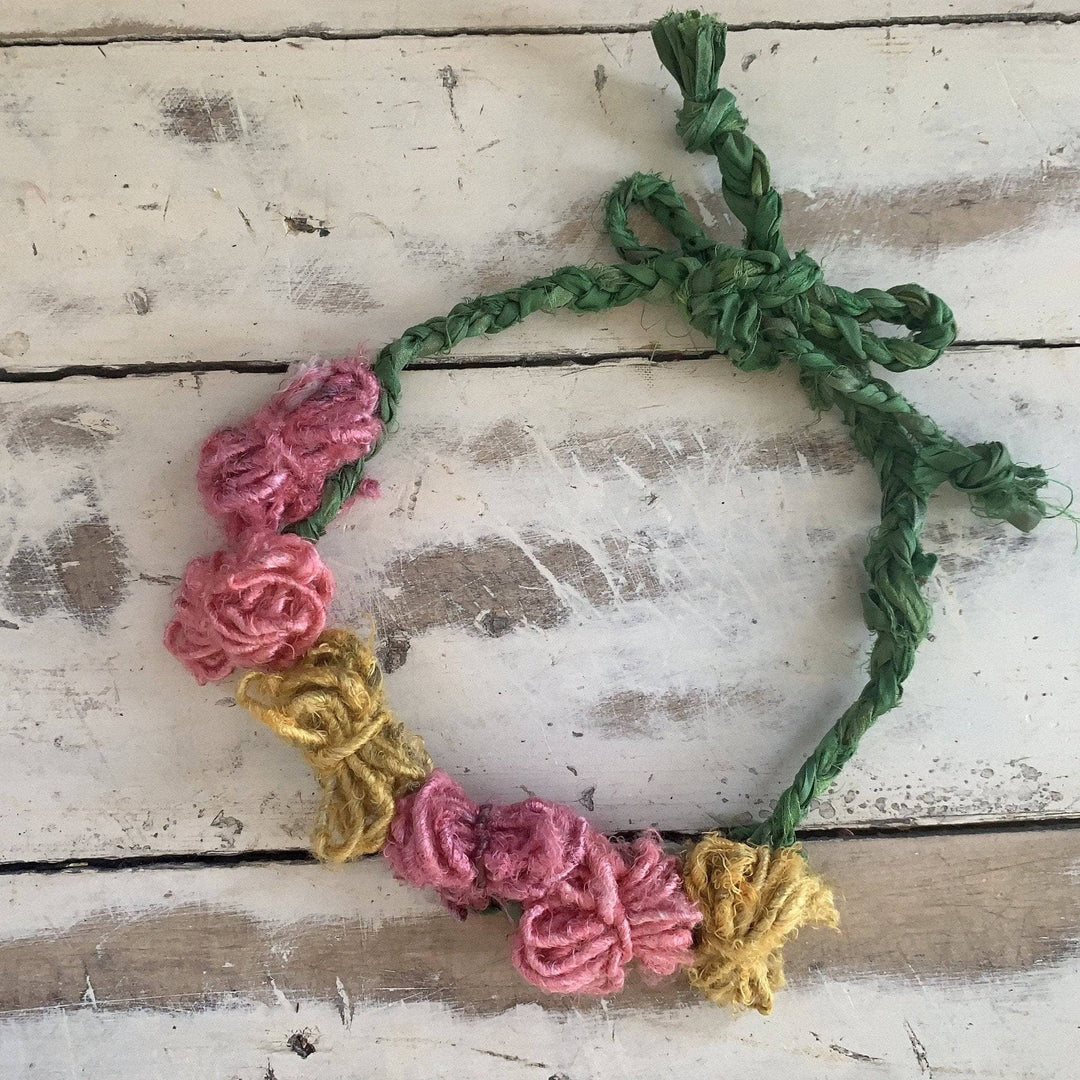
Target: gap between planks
x,y
444,363
673,839
92,37
929,913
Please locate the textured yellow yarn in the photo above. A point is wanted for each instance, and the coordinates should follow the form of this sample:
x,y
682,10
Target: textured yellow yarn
x,y
752,900
331,706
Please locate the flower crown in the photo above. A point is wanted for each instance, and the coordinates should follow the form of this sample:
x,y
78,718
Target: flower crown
x,y
589,906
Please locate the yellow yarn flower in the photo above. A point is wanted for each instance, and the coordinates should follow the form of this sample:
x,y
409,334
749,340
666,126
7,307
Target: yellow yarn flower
x,y
331,706
752,900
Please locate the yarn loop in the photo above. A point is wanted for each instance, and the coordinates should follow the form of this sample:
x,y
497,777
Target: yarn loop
x,y
622,902
331,706
434,842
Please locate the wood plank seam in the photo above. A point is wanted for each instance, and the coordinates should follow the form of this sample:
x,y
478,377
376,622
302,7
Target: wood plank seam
x,y
943,913
449,362
90,38
811,834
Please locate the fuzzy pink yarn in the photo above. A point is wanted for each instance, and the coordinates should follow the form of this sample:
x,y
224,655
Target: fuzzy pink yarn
x,y
269,471
260,603
440,839
433,842
531,847
589,906
624,902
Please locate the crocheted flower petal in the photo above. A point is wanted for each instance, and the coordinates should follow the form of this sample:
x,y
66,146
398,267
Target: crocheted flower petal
x,y
205,661
565,950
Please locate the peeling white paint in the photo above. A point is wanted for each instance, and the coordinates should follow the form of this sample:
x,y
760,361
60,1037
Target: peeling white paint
x,y
962,1030
204,128
171,758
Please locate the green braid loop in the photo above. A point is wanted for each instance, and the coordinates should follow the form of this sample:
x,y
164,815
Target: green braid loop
x,y
763,307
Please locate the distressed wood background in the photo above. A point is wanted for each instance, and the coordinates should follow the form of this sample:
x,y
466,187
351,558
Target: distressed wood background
x,y
606,567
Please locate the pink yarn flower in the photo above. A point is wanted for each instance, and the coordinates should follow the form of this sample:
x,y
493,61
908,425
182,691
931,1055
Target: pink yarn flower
x,y
660,914
531,847
259,604
590,907
269,471
440,839
623,903
433,843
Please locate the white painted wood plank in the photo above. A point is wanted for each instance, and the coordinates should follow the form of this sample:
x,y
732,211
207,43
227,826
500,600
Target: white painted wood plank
x,y
828,1033
149,186
634,578
109,20
193,973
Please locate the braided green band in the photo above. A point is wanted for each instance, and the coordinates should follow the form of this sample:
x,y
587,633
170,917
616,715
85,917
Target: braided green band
x,y
762,307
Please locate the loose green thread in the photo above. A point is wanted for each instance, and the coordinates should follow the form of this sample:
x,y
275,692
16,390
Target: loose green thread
x,y
763,307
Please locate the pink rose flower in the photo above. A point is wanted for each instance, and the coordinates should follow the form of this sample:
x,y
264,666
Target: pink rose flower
x,y
589,907
623,902
269,470
259,604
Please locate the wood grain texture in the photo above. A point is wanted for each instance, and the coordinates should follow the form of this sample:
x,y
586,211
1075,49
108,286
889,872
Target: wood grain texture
x,y
952,949
109,20
235,202
628,585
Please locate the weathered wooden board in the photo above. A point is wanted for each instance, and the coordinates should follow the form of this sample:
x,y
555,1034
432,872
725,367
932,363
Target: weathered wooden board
x,y
226,202
958,956
632,585
111,20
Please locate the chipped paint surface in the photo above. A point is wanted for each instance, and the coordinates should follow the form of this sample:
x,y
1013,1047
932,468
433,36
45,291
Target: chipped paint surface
x,y
77,569
63,554
410,181
202,118
569,567
827,1031
111,20
611,585
269,965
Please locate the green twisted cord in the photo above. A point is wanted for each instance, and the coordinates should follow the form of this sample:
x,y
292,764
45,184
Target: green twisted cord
x,y
692,47
579,288
763,307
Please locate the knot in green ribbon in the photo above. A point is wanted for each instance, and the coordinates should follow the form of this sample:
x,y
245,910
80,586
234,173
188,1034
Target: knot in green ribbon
x,y
735,296
998,487
693,47
762,306
701,122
